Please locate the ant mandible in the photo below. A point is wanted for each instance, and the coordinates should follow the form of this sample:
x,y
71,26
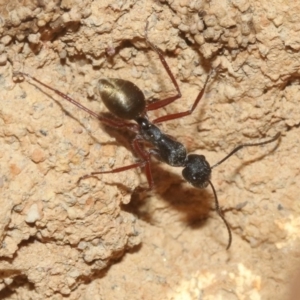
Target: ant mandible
x,y
127,102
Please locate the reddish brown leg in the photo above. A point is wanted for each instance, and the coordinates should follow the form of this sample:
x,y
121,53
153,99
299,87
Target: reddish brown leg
x,y
185,113
108,121
117,170
145,155
164,102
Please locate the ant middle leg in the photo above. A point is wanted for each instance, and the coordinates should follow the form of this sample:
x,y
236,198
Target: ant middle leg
x,y
144,163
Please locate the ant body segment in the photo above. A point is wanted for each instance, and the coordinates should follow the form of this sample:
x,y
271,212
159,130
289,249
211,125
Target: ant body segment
x,y
127,102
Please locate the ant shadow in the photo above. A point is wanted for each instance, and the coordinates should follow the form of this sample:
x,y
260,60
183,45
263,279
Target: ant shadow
x,y
195,205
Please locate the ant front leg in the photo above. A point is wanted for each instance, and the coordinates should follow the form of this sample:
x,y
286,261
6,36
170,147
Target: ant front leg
x,y
145,155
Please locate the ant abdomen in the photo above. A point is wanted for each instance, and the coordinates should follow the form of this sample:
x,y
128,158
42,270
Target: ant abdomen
x,y
122,98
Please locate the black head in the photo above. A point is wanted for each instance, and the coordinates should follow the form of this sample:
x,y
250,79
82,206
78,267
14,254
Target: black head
x,y
197,171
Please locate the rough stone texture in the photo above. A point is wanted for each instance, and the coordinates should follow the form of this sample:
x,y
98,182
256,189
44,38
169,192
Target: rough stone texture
x,y
93,239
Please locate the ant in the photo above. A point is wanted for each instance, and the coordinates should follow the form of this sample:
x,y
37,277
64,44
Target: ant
x,y
127,102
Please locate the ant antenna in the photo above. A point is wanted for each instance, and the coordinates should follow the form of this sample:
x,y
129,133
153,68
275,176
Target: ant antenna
x,y
246,145
217,205
219,212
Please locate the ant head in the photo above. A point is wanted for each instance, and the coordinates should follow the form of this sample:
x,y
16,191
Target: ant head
x,y
197,171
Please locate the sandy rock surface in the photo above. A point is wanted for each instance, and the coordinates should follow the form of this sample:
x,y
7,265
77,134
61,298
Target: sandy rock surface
x,y
97,239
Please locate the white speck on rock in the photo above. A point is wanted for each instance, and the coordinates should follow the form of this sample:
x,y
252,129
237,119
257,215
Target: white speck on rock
x,y
33,214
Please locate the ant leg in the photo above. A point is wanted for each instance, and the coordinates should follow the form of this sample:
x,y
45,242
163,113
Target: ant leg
x,y
164,102
117,170
185,113
145,155
108,121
